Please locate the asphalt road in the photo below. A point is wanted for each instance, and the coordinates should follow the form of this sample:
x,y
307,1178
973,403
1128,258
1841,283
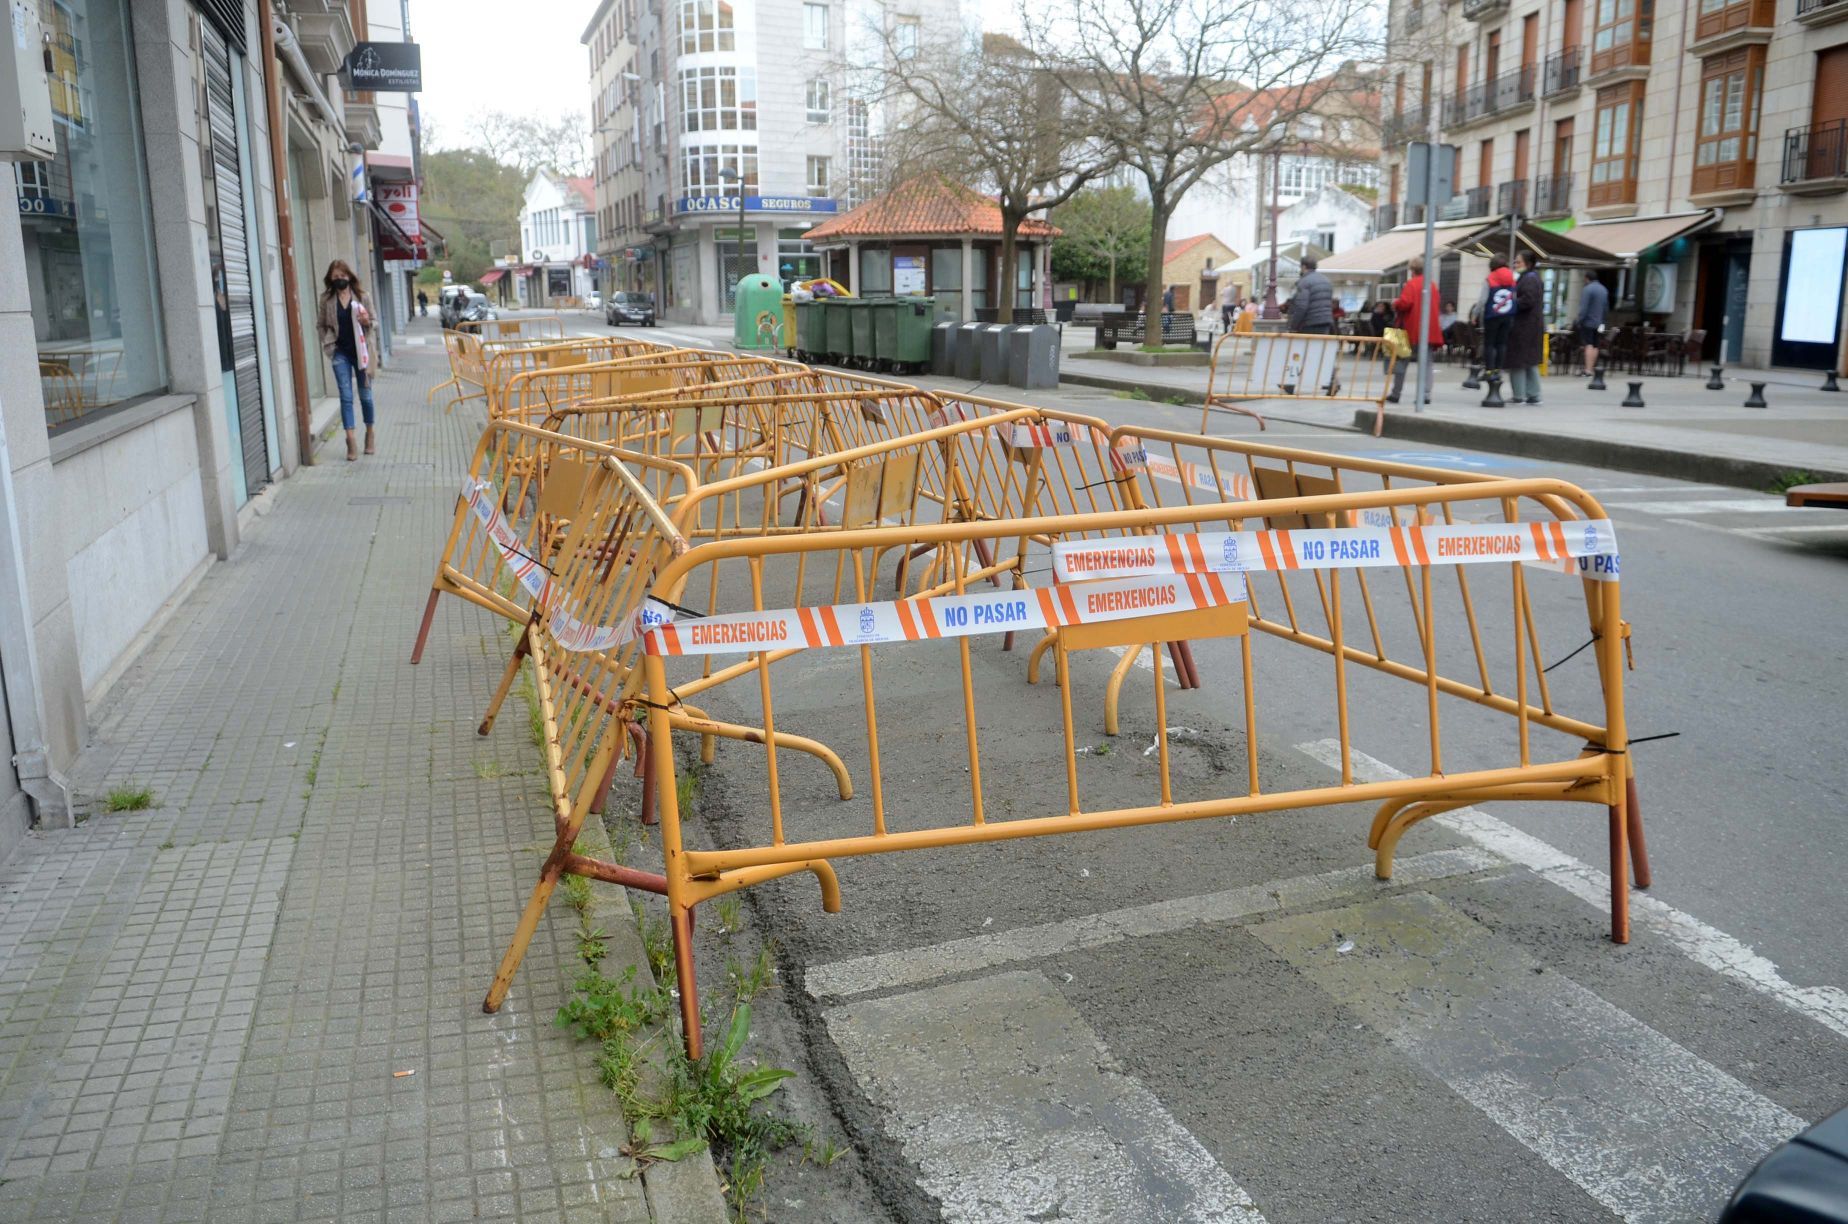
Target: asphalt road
x,y
1232,1019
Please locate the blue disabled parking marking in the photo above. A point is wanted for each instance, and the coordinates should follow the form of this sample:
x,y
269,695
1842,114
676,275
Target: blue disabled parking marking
x,y
1453,459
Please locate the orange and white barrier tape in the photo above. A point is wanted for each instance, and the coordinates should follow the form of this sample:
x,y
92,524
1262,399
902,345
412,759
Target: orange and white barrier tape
x,y
942,616
1231,486
535,579
1588,548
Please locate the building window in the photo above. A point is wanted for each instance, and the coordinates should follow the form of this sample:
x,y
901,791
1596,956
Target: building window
x,y
818,177
1727,154
86,225
699,170
1719,17
815,27
818,101
1301,176
863,153
796,257
1621,34
706,25
1614,144
718,99
905,38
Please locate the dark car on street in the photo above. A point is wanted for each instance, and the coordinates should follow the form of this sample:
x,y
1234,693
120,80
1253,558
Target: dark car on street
x,y
630,309
1803,1182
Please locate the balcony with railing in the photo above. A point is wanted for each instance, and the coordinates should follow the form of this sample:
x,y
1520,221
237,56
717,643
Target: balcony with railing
x,y
1482,10
1511,197
1414,18
1408,124
1476,201
1562,71
1552,196
1816,159
1486,99
1385,216
1821,12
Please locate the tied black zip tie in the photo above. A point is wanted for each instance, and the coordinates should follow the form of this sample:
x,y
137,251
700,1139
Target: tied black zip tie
x,y
1569,657
676,607
655,705
1650,738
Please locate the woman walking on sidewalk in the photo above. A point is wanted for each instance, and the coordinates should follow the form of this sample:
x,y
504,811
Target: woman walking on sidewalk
x,y
349,337
1524,334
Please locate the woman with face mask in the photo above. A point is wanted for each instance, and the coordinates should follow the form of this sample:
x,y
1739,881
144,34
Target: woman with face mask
x,y
349,337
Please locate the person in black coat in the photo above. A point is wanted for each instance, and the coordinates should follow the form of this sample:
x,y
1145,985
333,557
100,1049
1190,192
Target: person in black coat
x,y
1524,334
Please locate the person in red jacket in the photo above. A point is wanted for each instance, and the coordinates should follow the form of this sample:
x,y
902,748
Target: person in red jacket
x,y
1405,307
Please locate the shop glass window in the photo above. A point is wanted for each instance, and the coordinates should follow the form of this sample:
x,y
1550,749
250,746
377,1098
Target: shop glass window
x,y
86,224
796,256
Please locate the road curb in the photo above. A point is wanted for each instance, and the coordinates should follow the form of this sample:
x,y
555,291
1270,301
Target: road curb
x,y
1592,452
1154,390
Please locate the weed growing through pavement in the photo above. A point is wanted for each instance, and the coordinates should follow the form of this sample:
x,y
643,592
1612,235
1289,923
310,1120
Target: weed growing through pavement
x,y
166,845
535,717
748,982
730,916
128,799
1785,481
1134,393
1176,398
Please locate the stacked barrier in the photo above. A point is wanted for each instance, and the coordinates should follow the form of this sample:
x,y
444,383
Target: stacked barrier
x,y
773,514
1250,367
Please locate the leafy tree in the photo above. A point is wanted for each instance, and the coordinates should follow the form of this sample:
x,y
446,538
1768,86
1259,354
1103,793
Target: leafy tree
x,y
474,199
983,110
1171,89
1106,235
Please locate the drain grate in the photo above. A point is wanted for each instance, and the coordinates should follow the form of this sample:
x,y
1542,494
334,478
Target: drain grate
x,y
378,501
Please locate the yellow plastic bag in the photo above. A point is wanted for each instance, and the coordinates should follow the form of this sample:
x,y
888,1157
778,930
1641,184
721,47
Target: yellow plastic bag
x,y
1397,342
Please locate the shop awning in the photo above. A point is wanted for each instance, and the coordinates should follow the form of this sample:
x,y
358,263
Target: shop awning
x,y
492,275
393,242
1557,249
1393,248
1631,237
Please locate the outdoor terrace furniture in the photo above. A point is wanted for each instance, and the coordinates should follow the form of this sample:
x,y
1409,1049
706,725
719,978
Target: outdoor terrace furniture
x,y
1176,328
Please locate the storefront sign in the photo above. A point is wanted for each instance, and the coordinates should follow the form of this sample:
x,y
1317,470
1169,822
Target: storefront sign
x,y
46,206
907,274
756,204
399,200
388,67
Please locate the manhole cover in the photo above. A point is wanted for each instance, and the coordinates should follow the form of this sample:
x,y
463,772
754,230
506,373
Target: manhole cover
x,y
378,501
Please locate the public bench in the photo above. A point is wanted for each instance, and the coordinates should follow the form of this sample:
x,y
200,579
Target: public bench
x,y
1176,328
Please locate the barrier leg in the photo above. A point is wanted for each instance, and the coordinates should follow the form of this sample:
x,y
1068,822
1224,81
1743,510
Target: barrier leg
x,y
423,629
783,739
1620,875
1039,651
681,921
1118,674
1639,850
506,686
529,922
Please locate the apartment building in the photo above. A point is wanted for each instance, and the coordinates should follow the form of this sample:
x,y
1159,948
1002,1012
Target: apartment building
x,y
1698,148
153,376
701,105
558,242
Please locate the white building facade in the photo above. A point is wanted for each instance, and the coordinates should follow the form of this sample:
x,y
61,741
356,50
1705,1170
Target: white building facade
x,y
701,105
558,242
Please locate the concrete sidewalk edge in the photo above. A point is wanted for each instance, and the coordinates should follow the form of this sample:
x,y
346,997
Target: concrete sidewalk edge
x,y
1591,452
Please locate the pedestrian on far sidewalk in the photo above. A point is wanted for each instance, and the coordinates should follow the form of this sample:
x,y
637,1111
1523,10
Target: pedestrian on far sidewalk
x,y
423,303
1312,306
1228,305
349,337
1167,300
1415,323
1496,306
1594,304
1524,334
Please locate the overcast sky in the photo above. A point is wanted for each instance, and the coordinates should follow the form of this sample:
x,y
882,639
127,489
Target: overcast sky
x,y
482,55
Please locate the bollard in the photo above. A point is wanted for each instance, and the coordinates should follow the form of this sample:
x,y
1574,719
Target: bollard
x,y
1494,398
1473,382
1828,382
1757,398
1635,398
1717,383
1597,379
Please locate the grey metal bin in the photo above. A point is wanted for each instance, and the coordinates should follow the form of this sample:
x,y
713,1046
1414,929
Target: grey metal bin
x,y
1033,357
943,349
991,343
968,355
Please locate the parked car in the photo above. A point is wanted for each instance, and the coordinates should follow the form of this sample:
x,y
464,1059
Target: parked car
x,y
632,309
1804,1181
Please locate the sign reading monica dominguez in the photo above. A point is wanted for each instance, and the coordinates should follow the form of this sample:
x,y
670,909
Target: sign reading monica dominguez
x,y
389,67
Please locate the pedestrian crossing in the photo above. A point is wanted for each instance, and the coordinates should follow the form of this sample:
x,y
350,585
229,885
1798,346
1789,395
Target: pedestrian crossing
x,y
1754,516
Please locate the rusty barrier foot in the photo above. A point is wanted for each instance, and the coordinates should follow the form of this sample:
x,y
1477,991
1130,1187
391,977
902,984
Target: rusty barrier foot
x,y
423,629
506,686
1182,653
1639,849
986,555
602,796
1620,879
682,924
644,769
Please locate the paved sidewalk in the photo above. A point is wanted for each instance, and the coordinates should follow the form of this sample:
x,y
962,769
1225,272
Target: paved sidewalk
x,y
208,1009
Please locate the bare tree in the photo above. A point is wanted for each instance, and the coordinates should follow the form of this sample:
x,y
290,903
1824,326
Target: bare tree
x,y
529,143
986,111
1173,88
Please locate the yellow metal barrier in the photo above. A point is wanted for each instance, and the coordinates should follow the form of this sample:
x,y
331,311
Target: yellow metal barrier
x,y
1250,367
543,328
1585,761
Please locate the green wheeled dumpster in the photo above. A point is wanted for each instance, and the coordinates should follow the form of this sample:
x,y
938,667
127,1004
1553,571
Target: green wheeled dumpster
x,y
860,318
838,329
811,330
901,333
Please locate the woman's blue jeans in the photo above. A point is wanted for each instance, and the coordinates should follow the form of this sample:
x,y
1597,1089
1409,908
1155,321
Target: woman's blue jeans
x,y
343,376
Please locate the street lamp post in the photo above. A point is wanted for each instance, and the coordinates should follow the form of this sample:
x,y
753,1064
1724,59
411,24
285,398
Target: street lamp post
x,y
732,176
1270,281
